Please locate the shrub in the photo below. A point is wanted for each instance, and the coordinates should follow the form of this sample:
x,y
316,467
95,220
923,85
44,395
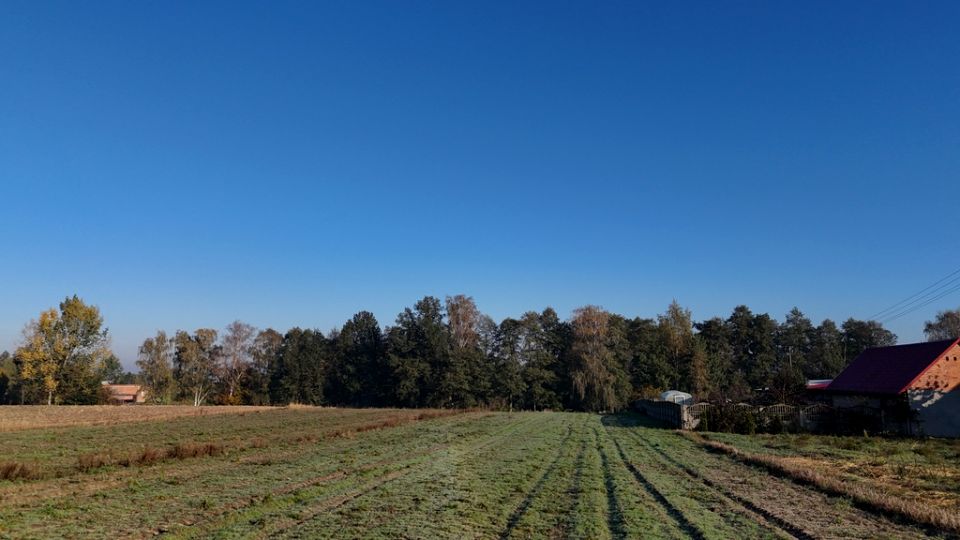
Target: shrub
x,y
192,450
729,419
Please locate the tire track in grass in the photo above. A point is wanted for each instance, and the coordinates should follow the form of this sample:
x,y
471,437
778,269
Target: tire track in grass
x,y
534,492
750,509
588,518
575,491
681,520
615,523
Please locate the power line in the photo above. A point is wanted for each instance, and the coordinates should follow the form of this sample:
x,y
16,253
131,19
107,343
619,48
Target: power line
x,y
919,296
918,306
920,300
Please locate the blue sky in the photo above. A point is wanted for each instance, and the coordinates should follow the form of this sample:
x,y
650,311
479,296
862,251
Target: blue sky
x,y
184,165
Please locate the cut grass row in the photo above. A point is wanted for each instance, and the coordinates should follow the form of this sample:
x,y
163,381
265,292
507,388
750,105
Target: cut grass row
x,y
918,469
936,518
794,509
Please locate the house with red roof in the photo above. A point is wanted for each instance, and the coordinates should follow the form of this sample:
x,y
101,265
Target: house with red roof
x,y
126,393
914,389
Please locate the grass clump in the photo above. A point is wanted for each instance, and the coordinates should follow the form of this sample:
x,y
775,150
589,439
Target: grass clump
x,y
16,470
187,450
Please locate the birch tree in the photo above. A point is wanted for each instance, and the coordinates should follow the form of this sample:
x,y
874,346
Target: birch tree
x,y
195,360
236,356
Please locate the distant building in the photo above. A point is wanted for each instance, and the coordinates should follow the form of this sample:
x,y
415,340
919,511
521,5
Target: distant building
x,y
126,393
676,396
913,389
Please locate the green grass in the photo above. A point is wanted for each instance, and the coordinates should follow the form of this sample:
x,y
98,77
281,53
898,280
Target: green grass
x,y
315,473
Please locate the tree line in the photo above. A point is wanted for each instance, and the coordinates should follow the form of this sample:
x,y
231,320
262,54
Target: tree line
x,y
449,354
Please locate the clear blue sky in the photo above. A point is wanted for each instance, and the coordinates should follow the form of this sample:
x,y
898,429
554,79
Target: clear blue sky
x,y
187,164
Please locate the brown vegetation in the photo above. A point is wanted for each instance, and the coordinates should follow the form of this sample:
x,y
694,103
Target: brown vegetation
x,y
864,496
391,422
20,417
192,450
95,460
15,470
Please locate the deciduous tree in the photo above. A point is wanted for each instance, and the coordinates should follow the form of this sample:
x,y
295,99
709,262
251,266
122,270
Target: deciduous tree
x,y
195,363
236,355
945,326
155,367
266,348
61,350
597,379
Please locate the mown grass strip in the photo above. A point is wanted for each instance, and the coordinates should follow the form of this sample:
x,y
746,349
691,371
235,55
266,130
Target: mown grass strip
x,y
633,511
869,499
534,492
672,510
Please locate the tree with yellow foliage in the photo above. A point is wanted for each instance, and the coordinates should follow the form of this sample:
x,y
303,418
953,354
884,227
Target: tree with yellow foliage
x,y
61,351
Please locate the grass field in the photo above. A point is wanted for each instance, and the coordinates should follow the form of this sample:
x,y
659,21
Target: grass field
x,y
339,473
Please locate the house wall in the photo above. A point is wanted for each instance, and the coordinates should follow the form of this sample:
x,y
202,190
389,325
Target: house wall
x,y
853,401
935,396
938,412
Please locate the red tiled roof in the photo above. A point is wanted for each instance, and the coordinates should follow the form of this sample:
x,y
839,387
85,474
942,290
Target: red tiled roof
x,y
123,389
888,370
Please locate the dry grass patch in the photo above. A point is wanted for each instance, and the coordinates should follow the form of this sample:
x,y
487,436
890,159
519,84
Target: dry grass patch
x,y
865,496
258,442
15,470
21,417
192,450
150,455
87,462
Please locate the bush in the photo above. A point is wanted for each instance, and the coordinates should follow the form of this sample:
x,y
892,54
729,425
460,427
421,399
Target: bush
x,y
729,419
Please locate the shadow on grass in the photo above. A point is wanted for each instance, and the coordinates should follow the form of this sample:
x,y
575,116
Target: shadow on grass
x,y
632,419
